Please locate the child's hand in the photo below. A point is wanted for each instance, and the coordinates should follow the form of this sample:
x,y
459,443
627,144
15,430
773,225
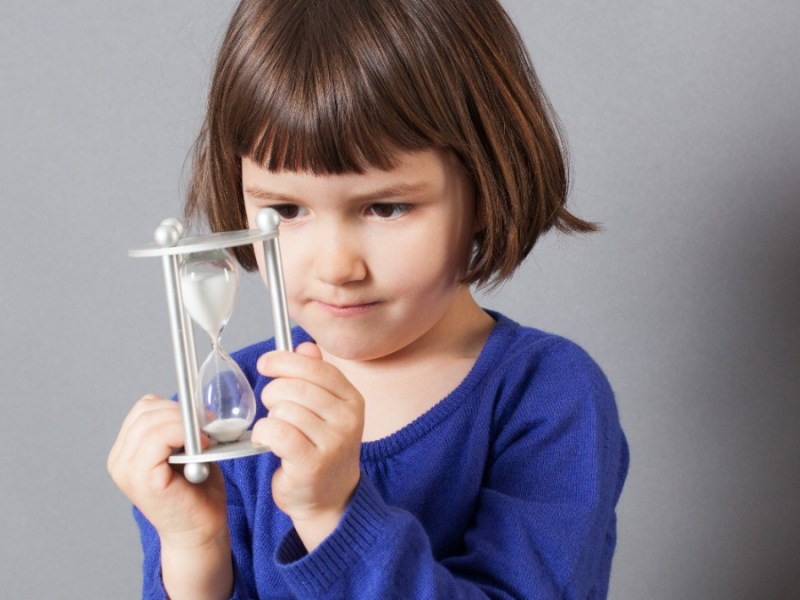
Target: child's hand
x,y
315,425
191,520
183,513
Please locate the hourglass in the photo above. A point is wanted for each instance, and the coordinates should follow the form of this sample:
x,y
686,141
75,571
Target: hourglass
x,y
202,282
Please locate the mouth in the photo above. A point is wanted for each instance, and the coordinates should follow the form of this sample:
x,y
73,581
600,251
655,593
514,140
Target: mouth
x,y
345,310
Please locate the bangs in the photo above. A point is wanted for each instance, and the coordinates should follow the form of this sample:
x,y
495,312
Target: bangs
x,y
340,86
319,91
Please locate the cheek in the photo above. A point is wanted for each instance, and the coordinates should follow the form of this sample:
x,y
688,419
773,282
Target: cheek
x,y
259,252
446,248
420,266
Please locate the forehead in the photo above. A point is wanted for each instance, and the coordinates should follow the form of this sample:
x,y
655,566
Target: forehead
x,y
425,172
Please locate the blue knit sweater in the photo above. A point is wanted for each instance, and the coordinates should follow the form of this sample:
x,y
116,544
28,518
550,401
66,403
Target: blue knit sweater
x,y
505,489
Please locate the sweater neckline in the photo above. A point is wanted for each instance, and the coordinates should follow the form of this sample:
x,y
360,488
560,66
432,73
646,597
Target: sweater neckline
x,y
408,435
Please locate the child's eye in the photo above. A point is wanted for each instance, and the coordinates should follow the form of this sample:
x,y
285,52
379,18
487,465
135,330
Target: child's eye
x,y
288,212
389,210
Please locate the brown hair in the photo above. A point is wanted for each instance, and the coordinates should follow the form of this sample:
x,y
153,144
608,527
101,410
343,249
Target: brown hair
x,y
334,86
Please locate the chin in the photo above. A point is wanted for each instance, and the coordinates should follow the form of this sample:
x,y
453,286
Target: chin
x,y
352,352
351,349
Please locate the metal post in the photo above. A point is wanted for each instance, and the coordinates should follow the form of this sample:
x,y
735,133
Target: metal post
x,y
268,221
168,234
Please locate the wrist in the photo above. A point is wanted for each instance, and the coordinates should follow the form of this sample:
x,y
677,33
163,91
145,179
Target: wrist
x,y
313,526
313,530
195,540
192,570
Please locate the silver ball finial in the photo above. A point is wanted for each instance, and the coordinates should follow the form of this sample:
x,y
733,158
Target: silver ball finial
x,y
268,220
176,223
196,472
168,233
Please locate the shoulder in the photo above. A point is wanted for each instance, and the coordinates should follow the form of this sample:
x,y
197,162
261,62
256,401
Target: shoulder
x,y
541,359
543,377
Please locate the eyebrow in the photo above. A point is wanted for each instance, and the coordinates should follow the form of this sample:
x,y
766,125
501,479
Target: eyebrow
x,y
394,190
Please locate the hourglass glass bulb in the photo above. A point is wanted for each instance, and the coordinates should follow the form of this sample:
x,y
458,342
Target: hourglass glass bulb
x,y
227,400
209,285
226,403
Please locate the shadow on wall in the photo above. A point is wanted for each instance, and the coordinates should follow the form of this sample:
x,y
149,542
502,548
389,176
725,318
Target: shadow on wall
x,y
746,392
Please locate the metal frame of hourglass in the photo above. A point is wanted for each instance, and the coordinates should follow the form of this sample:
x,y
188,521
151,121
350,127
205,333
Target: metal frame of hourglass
x,y
171,246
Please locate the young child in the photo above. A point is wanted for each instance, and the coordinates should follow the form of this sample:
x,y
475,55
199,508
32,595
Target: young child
x,y
422,447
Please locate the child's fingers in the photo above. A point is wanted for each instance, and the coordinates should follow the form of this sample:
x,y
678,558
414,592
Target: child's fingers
x,y
148,440
284,439
309,349
342,416
306,421
145,416
311,396
295,365
157,441
146,403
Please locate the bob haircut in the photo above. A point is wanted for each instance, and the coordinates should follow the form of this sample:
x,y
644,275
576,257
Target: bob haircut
x,y
337,86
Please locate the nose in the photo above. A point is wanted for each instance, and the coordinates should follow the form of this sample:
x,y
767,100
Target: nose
x,y
338,255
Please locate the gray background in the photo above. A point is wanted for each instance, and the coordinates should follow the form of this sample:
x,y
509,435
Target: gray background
x,y
684,123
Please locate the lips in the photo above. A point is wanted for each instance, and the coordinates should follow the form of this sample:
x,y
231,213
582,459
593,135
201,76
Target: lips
x,y
346,309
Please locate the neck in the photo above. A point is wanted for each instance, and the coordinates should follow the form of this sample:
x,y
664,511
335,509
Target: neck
x,y
400,387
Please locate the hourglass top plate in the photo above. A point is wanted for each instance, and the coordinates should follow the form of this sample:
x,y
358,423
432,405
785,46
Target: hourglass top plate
x,y
202,243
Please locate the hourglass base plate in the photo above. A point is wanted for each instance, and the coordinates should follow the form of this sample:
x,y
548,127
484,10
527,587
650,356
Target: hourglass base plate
x,y
244,447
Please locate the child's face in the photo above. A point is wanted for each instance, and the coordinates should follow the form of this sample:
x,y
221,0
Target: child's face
x,y
372,261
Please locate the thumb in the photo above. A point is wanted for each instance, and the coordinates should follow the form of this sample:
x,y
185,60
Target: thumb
x,y
309,349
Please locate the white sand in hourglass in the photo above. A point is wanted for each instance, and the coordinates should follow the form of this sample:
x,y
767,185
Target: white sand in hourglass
x,y
209,297
227,430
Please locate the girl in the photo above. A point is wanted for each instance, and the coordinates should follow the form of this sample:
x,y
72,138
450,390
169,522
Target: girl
x,y
422,447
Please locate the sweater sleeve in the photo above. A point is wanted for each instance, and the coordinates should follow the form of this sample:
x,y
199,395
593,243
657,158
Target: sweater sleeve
x,y
377,551
544,526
